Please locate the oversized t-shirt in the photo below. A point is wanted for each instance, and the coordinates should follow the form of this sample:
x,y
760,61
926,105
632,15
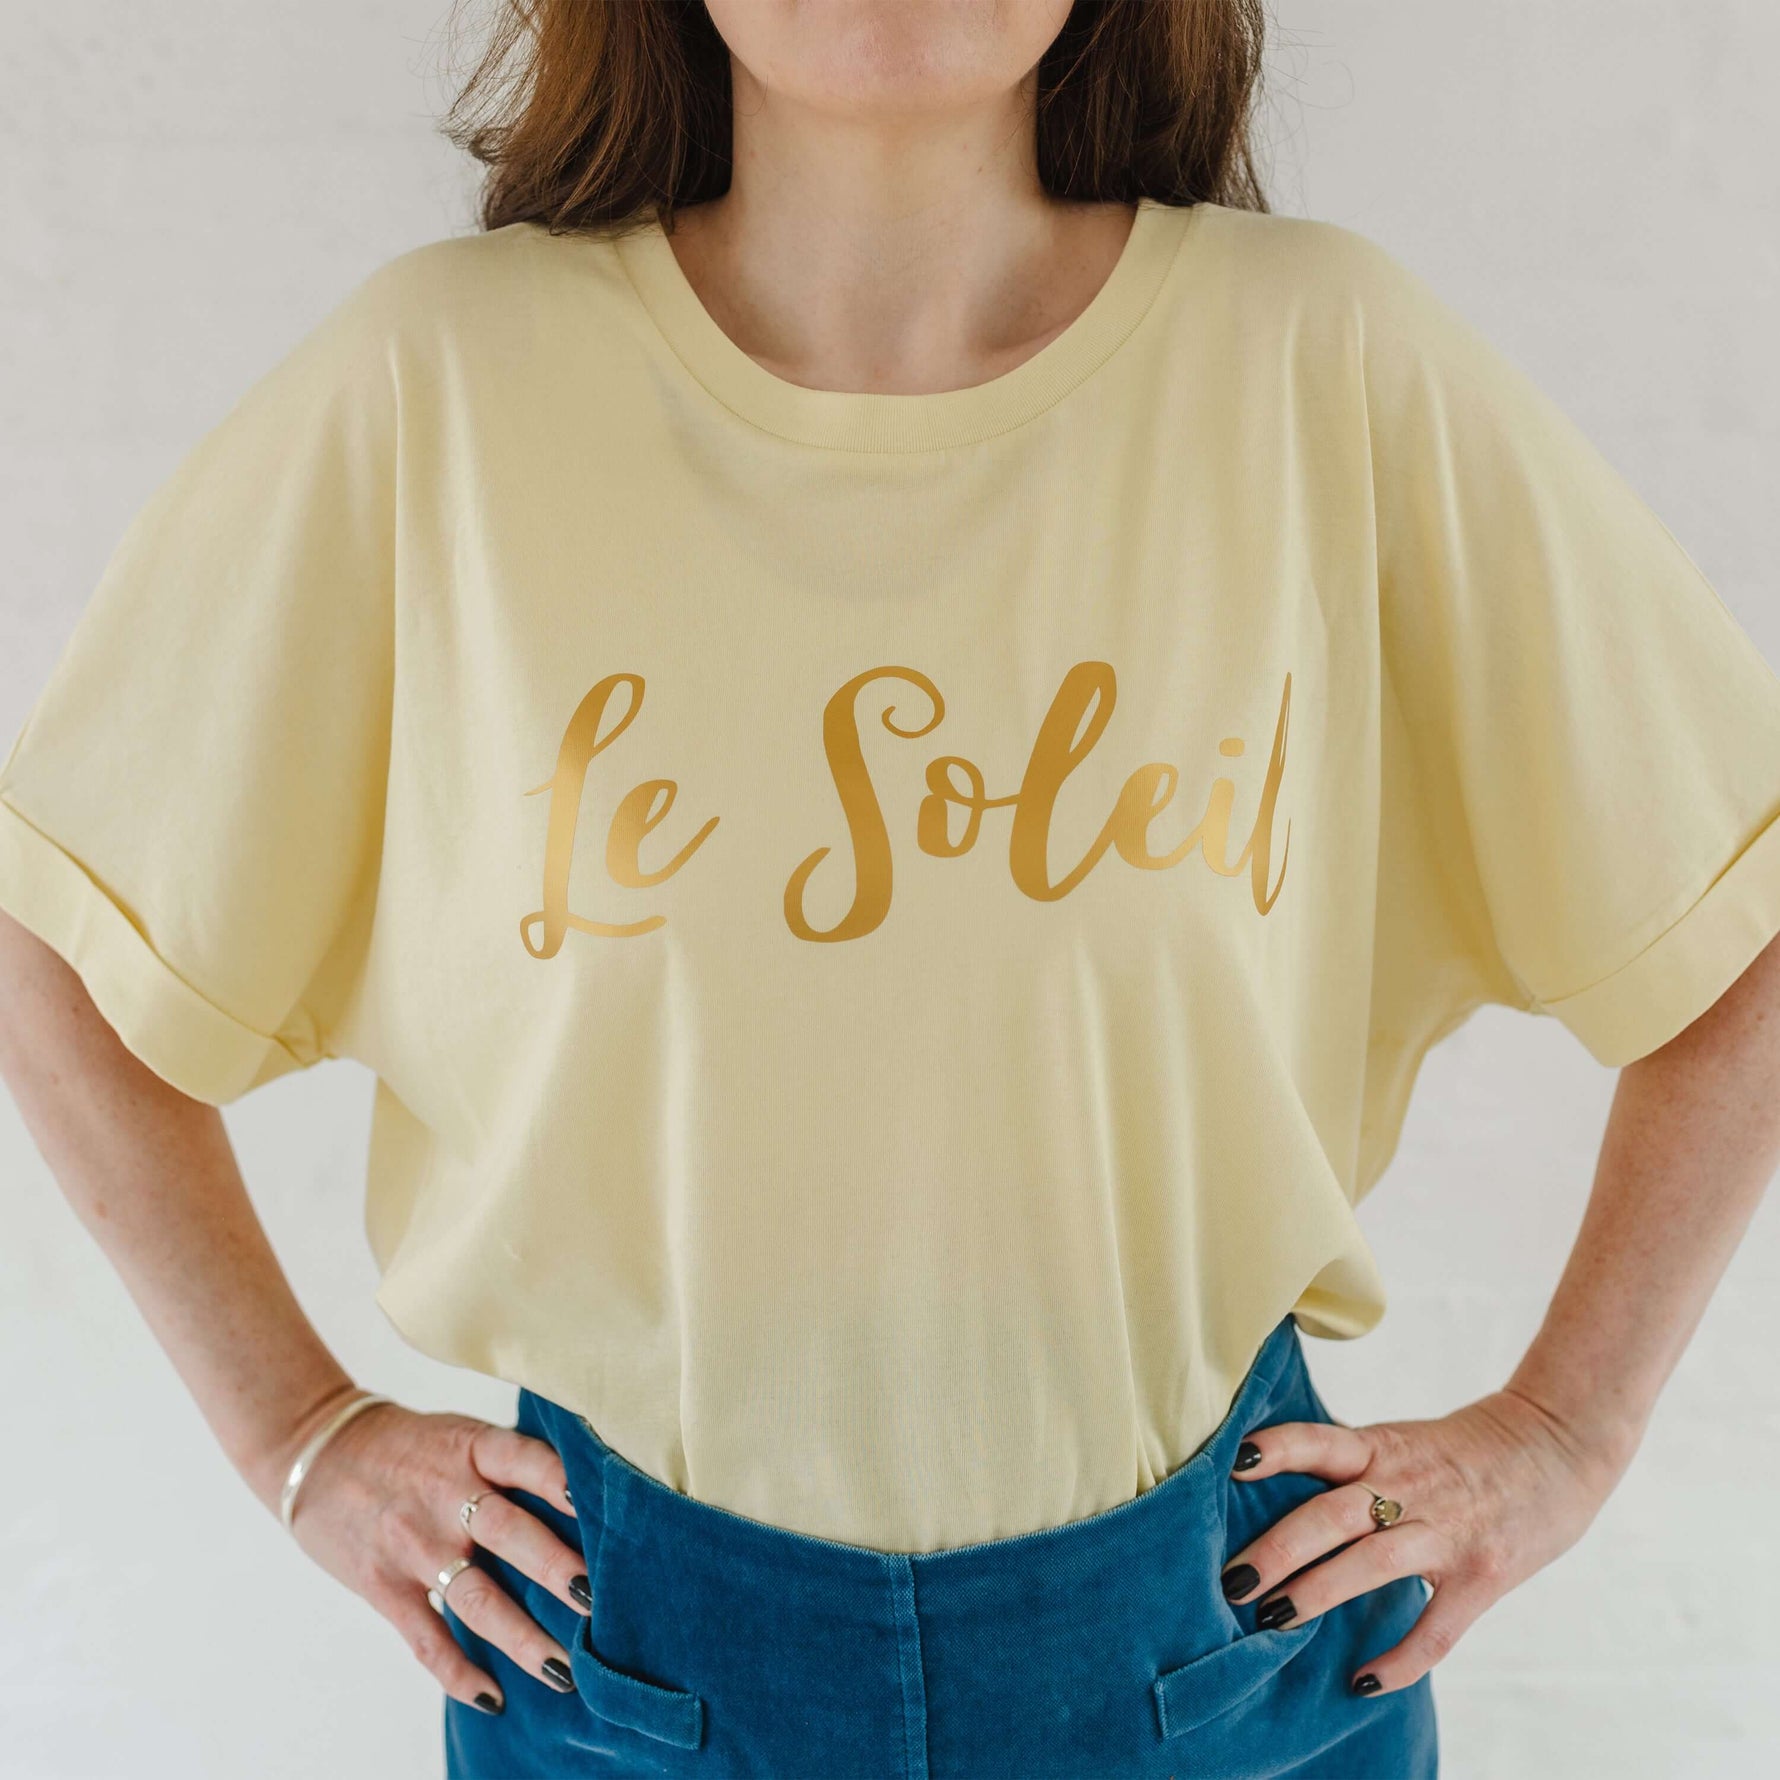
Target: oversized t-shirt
x,y
892,930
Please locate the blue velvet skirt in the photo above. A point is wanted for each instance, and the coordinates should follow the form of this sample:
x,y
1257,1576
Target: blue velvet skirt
x,y
1102,1649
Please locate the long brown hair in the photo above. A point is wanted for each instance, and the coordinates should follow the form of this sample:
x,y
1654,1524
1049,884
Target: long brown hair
x,y
592,115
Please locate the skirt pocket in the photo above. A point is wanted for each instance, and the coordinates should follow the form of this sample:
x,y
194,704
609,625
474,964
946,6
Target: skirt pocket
x,y
668,1714
1194,1693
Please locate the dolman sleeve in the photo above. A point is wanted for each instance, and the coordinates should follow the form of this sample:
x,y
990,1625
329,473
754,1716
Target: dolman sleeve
x,y
192,811
1580,747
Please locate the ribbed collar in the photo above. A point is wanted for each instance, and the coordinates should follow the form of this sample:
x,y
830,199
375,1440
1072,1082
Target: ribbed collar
x,y
858,421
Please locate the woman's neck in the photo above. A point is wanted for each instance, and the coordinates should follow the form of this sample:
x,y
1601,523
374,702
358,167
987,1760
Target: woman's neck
x,y
900,255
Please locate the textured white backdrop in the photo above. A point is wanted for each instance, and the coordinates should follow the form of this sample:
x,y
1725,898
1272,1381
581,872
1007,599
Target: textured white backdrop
x,y
186,187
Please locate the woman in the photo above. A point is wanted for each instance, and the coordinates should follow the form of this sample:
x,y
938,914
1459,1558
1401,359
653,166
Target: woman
x,y
895,779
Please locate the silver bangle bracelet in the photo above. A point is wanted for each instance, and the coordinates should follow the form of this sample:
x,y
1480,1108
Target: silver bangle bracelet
x,y
300,1465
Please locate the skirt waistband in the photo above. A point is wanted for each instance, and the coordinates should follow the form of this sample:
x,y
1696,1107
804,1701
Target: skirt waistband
x,y
634,1504
720,1647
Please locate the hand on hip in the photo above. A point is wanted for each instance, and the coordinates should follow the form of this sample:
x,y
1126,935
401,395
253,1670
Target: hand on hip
x,y
396,1506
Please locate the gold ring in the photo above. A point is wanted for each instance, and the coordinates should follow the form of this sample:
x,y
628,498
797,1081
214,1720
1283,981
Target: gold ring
x,y
1385,1512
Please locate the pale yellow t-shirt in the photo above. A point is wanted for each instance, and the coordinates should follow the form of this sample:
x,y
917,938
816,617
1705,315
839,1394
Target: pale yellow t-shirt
x,y
892,931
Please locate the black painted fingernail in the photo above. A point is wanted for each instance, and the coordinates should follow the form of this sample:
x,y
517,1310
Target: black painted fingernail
x,y
1367,1683
486,1702
1238,1580
1275,1612
556,1672
580,1589
1248,1456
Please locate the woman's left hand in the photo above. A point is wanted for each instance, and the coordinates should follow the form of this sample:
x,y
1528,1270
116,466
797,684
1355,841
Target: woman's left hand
x,y
1490,1494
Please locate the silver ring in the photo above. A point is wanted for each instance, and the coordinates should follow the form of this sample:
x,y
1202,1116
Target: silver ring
x,y
435,1595
468,1508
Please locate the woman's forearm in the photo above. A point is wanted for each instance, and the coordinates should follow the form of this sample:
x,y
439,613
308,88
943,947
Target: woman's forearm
x,y
1691,1143
151,1174
1489,1494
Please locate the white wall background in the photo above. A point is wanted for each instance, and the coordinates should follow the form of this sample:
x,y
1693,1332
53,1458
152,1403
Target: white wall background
x,y
187,186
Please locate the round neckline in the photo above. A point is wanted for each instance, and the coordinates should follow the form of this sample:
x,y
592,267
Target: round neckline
x,y
860,420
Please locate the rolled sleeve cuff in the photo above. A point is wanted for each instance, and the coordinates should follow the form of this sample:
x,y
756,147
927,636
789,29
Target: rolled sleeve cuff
x,y
1685,969
185,1038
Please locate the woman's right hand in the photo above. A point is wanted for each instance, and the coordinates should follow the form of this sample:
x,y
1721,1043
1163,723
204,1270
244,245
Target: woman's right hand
x,y
152,1174
379,1511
